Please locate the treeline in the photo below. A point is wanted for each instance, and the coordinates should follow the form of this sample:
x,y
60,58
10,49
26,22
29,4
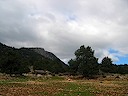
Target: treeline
x,y
18,61
86,64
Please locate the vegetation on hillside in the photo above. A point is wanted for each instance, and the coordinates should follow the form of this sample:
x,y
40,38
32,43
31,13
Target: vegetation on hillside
x,y
18,61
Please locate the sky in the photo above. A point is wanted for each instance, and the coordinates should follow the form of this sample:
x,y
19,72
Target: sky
x,y
62,26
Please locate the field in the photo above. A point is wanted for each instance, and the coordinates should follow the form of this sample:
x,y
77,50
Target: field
x,y
62,86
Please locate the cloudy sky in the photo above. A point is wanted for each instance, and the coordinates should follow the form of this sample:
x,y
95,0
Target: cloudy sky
x,y
62,26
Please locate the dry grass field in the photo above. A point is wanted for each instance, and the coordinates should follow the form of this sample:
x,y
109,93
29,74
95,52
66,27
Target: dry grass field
x,y
62,86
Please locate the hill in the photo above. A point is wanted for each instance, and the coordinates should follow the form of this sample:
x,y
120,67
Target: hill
x,y
36,57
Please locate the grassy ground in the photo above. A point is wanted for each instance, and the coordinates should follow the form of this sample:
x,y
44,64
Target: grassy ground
x,y
61,86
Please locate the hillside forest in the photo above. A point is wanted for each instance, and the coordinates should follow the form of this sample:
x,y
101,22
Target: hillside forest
x,y
17,61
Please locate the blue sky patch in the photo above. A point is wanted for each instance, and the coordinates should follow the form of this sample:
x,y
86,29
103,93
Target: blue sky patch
x,y
122,60
113,51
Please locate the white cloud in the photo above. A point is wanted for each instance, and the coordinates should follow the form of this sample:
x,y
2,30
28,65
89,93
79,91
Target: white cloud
x,y
62,26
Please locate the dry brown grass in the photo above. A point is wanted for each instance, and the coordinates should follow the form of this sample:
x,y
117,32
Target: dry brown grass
x,y
56,85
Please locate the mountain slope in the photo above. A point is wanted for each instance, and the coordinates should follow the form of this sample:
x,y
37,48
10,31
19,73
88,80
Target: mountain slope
x,y
36,57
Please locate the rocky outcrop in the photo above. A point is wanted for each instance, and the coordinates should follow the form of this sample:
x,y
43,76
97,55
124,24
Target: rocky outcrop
x,y
44,53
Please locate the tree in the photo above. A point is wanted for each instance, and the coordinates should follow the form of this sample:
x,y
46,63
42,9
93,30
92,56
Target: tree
x,y
12,63
107,65
73,66
122,69
85,63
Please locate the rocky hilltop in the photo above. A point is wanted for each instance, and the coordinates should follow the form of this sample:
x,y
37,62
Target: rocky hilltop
x,y
44,53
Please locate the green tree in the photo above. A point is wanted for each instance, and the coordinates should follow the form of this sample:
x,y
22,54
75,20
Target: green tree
x,y
12,63
85,63
122,69
107,66
73,66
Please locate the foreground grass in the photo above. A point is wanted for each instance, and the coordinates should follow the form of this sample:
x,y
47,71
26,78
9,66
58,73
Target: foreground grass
x,y
74,89
60,86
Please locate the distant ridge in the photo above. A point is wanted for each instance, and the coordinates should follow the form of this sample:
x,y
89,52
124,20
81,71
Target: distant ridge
x,y
38,58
